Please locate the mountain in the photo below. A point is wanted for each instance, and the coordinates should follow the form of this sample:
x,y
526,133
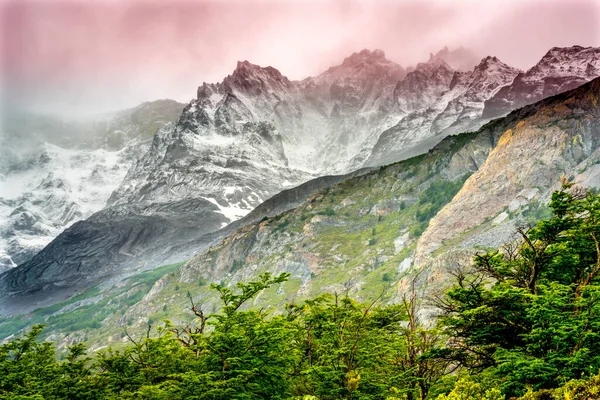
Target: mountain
x,y
372,234
105,239
561,69
54,173
225,155
453,103
416,219
468,100
253,134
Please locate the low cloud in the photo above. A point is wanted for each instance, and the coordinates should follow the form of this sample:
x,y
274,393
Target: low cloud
x,y
78,58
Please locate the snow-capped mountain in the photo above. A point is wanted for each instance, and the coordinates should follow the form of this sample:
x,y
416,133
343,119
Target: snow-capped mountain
x,y
323,121
452,103
54,173
245,139
561,69
54,188
255,133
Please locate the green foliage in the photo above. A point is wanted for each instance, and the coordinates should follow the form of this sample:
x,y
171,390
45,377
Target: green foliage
x,y
529,316
417,230
523,322
330,347
439,193
342,340
465,389
281,226
431,201
237,265
28,370
328,211
89,316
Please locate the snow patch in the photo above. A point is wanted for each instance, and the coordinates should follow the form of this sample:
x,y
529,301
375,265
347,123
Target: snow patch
x,y
231,213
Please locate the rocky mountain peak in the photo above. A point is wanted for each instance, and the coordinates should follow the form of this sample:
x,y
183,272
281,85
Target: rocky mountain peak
x,y
254,79
568,61
364,79
492,65
423,86
565,51
489,60
434,62
246,68
365,64
561,69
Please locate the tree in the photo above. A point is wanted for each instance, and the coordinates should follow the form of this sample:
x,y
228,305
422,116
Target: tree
x,y
349,350
530,314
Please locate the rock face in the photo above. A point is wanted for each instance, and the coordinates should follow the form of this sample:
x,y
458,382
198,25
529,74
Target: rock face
x,y
256,133
323,121
453,103
544,141
561,69
127,236
225,155
53,173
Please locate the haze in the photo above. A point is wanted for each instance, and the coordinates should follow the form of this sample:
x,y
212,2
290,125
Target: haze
x,y
81,58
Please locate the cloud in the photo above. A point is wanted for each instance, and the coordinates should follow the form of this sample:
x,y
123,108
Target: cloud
x,y
78,57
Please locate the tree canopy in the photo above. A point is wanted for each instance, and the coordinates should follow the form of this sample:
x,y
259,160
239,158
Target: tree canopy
x,y
519,322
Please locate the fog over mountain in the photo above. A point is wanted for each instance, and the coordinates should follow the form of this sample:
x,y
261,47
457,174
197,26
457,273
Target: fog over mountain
x,y
79,58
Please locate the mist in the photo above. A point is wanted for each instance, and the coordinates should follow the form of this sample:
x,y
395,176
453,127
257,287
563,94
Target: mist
x,y
83,58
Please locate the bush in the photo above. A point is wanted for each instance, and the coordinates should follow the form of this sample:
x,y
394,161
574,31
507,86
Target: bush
x,y
328,211
465,389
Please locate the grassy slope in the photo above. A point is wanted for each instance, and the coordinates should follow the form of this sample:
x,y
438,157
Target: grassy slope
x,y
343,238
82,318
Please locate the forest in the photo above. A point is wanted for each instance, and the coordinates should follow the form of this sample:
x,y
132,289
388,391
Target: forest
x,y
522,322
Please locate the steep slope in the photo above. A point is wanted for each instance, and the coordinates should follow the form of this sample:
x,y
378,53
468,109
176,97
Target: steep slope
x,y
53,173
471,99
224,156
324,121
359,97
558,137
121,240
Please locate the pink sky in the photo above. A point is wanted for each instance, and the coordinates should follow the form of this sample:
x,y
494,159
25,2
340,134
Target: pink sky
x,y
82,57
